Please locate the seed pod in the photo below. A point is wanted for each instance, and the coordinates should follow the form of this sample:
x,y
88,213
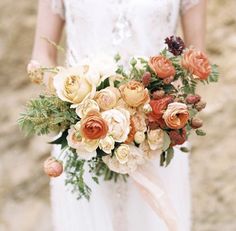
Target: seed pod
x,y
196,123
200,105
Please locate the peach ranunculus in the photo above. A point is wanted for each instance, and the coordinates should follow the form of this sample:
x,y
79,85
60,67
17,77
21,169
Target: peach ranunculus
x,y
158,108
86,106
85,149
118,121
74,85
107,98
176,115
197,63
156,139
134,93
162,66
93,126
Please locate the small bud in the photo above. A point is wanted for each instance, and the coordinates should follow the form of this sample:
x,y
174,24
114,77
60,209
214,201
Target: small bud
x,y
168,80
133,62
193,99
158,94
200,105
146,78
53,167
196,123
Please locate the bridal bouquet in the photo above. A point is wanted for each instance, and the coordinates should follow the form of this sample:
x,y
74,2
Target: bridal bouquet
x,y
113,117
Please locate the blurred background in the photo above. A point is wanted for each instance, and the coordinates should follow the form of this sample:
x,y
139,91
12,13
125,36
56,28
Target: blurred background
x,y
24,191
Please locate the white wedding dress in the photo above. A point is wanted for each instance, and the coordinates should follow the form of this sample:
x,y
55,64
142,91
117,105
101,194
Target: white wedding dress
x,y
130,27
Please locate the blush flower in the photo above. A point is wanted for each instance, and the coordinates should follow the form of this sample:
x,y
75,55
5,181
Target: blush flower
x,y
53,167
176,115
162,66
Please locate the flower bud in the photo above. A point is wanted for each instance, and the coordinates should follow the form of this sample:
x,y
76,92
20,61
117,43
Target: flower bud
x,y
146,78
200,105
158,94
196,123
139,137
177,137
193,99
168,80
53,167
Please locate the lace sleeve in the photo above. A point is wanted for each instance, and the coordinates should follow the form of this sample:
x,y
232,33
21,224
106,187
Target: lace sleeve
x,y
58,8
187,4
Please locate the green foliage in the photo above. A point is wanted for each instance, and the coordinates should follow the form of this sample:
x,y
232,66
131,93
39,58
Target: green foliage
x,y
61,140
200,132
75,169
214,76
184,149
103,84
46,114
166,157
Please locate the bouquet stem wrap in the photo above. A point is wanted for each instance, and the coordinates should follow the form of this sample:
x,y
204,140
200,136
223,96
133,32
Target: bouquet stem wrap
x,y
152,190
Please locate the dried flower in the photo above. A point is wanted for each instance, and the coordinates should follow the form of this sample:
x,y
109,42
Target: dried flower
x,y
200,105
158,94
177,137
196,123
193,99
53,167
146,78
175,45
168,80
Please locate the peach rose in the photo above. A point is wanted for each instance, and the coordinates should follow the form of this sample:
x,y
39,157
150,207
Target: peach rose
x,y
162,66
176,115
107,98
53,167
93,126
134,93
197,63
86,106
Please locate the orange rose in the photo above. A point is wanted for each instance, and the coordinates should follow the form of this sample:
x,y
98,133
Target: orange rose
x,y
93,126
176,115
158,108
132,132
134,93
197,63
162,66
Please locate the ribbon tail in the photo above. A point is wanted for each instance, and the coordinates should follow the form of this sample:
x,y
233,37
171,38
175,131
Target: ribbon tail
x,y
151,188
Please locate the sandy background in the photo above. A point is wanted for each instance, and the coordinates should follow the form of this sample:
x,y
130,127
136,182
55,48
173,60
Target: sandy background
x,y
24,192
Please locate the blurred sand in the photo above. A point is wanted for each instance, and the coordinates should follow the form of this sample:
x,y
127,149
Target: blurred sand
x,y
24,192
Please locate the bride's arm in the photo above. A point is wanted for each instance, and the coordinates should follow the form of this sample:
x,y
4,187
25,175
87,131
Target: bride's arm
x,y
194,25
49,25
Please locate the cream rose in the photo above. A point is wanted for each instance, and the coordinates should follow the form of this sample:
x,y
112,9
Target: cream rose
x,y
118,121
122,153
87,106
139,121
107,98
139,137
135,158
74,85
107,144
155,139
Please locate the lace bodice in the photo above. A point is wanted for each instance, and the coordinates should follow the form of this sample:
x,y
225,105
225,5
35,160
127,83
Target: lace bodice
x,y
130,27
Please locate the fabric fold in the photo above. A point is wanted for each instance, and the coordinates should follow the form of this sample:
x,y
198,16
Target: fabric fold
x,y
152,190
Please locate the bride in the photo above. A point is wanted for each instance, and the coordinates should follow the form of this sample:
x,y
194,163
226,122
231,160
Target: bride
x,y
130,27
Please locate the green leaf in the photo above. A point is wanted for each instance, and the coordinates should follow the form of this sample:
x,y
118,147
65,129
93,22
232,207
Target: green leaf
x,y
184,149
192,112
200,132
61,140
95,179
214,76
162,159
169,156
103,84
166,141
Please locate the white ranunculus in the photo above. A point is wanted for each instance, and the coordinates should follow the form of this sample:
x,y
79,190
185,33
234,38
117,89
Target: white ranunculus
x,y
86,106
107,144
74,84
118,121
139,137
122,153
